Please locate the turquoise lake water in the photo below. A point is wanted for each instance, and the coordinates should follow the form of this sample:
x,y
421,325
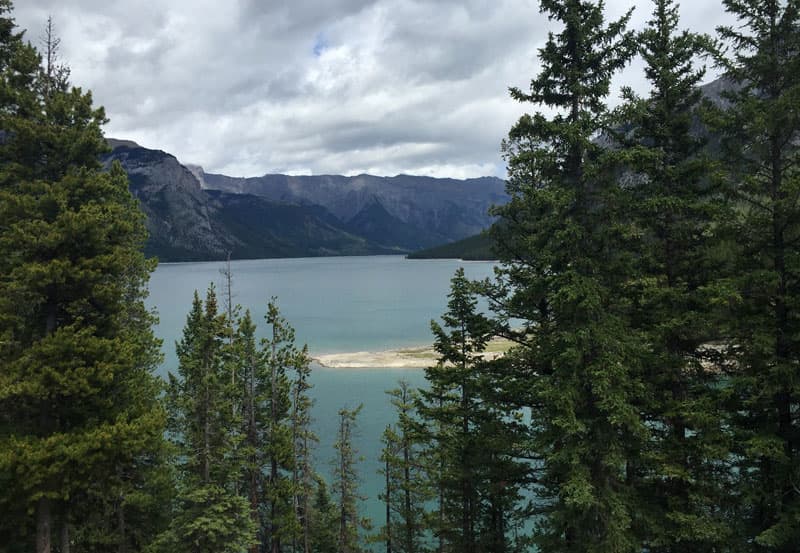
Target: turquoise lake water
x,y
335,304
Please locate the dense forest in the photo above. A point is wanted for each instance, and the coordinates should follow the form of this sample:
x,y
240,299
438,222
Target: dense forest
x,y
648,279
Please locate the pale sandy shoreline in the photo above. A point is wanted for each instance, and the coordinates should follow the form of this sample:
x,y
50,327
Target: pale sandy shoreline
x,y
404,358
410,358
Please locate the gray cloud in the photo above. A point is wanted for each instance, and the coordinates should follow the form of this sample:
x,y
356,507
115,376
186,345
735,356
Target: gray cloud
x,y
345,86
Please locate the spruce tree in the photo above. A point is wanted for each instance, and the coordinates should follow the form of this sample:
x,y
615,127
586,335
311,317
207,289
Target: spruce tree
x,y
563,272
77,394
407,488
278,477
280,493
761,149
450,409
675,207
471,433
345,484
323,520
505,464
210,515
303,439
250,369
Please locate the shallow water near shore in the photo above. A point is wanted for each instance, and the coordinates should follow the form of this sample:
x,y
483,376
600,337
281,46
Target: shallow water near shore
x,y
337,305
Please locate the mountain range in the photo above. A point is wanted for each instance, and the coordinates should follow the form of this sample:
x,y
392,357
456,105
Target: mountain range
x,y
193,215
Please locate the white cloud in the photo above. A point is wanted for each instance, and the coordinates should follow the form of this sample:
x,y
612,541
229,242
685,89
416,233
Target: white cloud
x,y
345,86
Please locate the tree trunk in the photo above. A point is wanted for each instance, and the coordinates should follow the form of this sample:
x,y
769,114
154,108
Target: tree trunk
x,y
123,539
44,516
44,522
252,441
273,477
65,535
388,508
410,526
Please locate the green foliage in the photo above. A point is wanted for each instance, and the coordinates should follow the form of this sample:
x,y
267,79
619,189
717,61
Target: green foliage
x,y
323,520
469,447
241,427
449,409
673,211
303,440
77,395
210,514
563,272
761,151
407,487
345,485
279,448
201,420
209,518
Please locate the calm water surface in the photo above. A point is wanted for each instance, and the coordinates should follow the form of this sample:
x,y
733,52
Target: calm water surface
x,y
335,304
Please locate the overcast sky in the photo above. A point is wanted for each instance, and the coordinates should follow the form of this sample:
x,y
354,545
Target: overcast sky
x,y
248,87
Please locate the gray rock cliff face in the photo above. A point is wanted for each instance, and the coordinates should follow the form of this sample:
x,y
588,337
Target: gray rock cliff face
x,y
192,215
444,209
179,219
188,222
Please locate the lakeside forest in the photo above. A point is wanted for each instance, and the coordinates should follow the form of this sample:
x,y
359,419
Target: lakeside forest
x,y
648,280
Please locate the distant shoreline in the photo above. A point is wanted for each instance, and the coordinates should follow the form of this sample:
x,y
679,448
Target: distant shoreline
x,y
401,358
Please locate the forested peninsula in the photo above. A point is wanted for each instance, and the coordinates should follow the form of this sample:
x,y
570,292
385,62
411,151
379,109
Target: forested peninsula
x,y
647,292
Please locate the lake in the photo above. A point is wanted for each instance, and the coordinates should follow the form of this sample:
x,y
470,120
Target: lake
x,y
336,305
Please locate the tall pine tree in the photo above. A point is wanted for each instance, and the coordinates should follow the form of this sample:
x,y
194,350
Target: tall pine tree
x,y
345,484
211,515
762,151
271,391
78,407
562,275
674,208
450,409
280,490
407,485
303,439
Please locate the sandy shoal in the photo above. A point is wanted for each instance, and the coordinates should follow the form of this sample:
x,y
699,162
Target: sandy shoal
x,y
408,358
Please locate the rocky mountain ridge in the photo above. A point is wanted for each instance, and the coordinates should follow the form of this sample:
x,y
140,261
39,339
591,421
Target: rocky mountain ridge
x,y
192,215
442,210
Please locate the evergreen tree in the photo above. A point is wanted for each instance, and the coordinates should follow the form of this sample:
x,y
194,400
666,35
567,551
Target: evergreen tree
x,y
323,520
505,465
303,439
345,484
471,445
279,447
77,394
563,273
210,515
450,409
278,476
407,489
250,368
761,148
675,207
